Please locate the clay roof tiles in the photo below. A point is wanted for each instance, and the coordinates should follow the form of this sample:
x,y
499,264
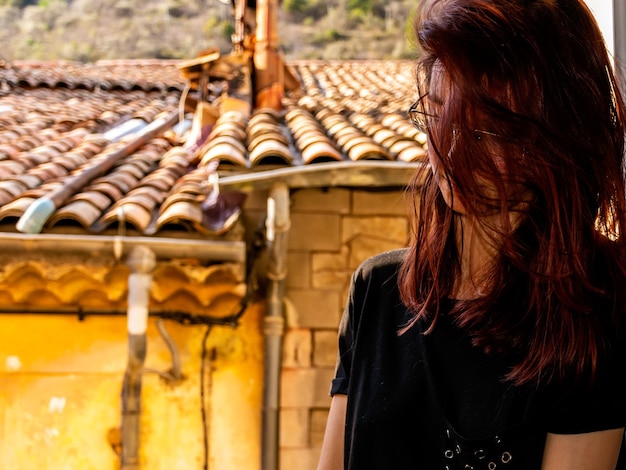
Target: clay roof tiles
x,y
58,120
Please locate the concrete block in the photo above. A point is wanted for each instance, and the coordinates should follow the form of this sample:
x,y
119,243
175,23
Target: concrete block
x,y
306,388
299,459
334,200
297,346
324,348
299,269
330,270
313,308
383,203
294,427
314,232
393,229
331,279
330,261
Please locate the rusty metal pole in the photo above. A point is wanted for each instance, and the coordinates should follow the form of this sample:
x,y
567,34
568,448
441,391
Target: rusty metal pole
x,y
269,79
240,33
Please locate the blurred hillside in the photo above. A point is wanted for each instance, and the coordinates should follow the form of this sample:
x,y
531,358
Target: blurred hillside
x,y
90,30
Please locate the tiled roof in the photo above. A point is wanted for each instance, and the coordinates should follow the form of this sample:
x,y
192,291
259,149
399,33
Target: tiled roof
x,y
77,134
44,285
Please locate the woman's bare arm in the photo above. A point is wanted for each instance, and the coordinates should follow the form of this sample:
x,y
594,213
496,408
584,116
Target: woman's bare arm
x,y
588,451
331,457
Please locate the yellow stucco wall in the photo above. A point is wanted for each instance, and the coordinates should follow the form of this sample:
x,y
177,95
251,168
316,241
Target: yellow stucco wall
x,y
60,383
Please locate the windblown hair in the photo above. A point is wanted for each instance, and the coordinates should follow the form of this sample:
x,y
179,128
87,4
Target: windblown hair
x,y
533,77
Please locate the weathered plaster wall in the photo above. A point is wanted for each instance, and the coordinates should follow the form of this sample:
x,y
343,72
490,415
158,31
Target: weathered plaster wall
x,y
60,383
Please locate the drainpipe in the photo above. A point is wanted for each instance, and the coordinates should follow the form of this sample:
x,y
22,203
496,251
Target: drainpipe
x,y
141,262
277,230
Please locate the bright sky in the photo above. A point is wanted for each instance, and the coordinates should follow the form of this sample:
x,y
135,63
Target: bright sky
x,y
603,9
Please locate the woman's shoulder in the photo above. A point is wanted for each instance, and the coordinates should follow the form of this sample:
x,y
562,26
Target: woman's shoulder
x,y
378,275
388,262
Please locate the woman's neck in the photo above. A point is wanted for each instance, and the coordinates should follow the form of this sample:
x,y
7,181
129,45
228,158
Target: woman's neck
x,y
477,252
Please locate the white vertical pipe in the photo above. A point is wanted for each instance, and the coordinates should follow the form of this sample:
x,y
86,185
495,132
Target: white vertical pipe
x,y
138,298
277,230
141,262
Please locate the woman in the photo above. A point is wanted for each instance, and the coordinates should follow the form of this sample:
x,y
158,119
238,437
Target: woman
x,y
496,340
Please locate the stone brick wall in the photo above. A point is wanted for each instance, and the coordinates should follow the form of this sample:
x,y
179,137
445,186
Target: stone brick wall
x,y
332,232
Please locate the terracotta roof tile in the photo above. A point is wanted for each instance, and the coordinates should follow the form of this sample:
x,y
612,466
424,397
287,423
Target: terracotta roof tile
x,y
62,284
96,198
82,211
14,188
59,121
16,207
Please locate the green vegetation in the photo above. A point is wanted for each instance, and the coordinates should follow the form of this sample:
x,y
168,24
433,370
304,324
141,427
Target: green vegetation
x,y
89,30
328,36
17,3
227,29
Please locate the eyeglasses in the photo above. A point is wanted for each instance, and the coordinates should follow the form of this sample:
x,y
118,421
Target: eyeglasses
x,y
422,121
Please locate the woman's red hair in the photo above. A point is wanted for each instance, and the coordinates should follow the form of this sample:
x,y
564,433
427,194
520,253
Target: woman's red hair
x,y
535,76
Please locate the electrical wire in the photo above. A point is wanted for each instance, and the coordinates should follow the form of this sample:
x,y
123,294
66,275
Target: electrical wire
x,y
175,371
229,320
203,403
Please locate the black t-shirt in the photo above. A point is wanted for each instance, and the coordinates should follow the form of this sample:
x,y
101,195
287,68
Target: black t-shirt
x,y
427,402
